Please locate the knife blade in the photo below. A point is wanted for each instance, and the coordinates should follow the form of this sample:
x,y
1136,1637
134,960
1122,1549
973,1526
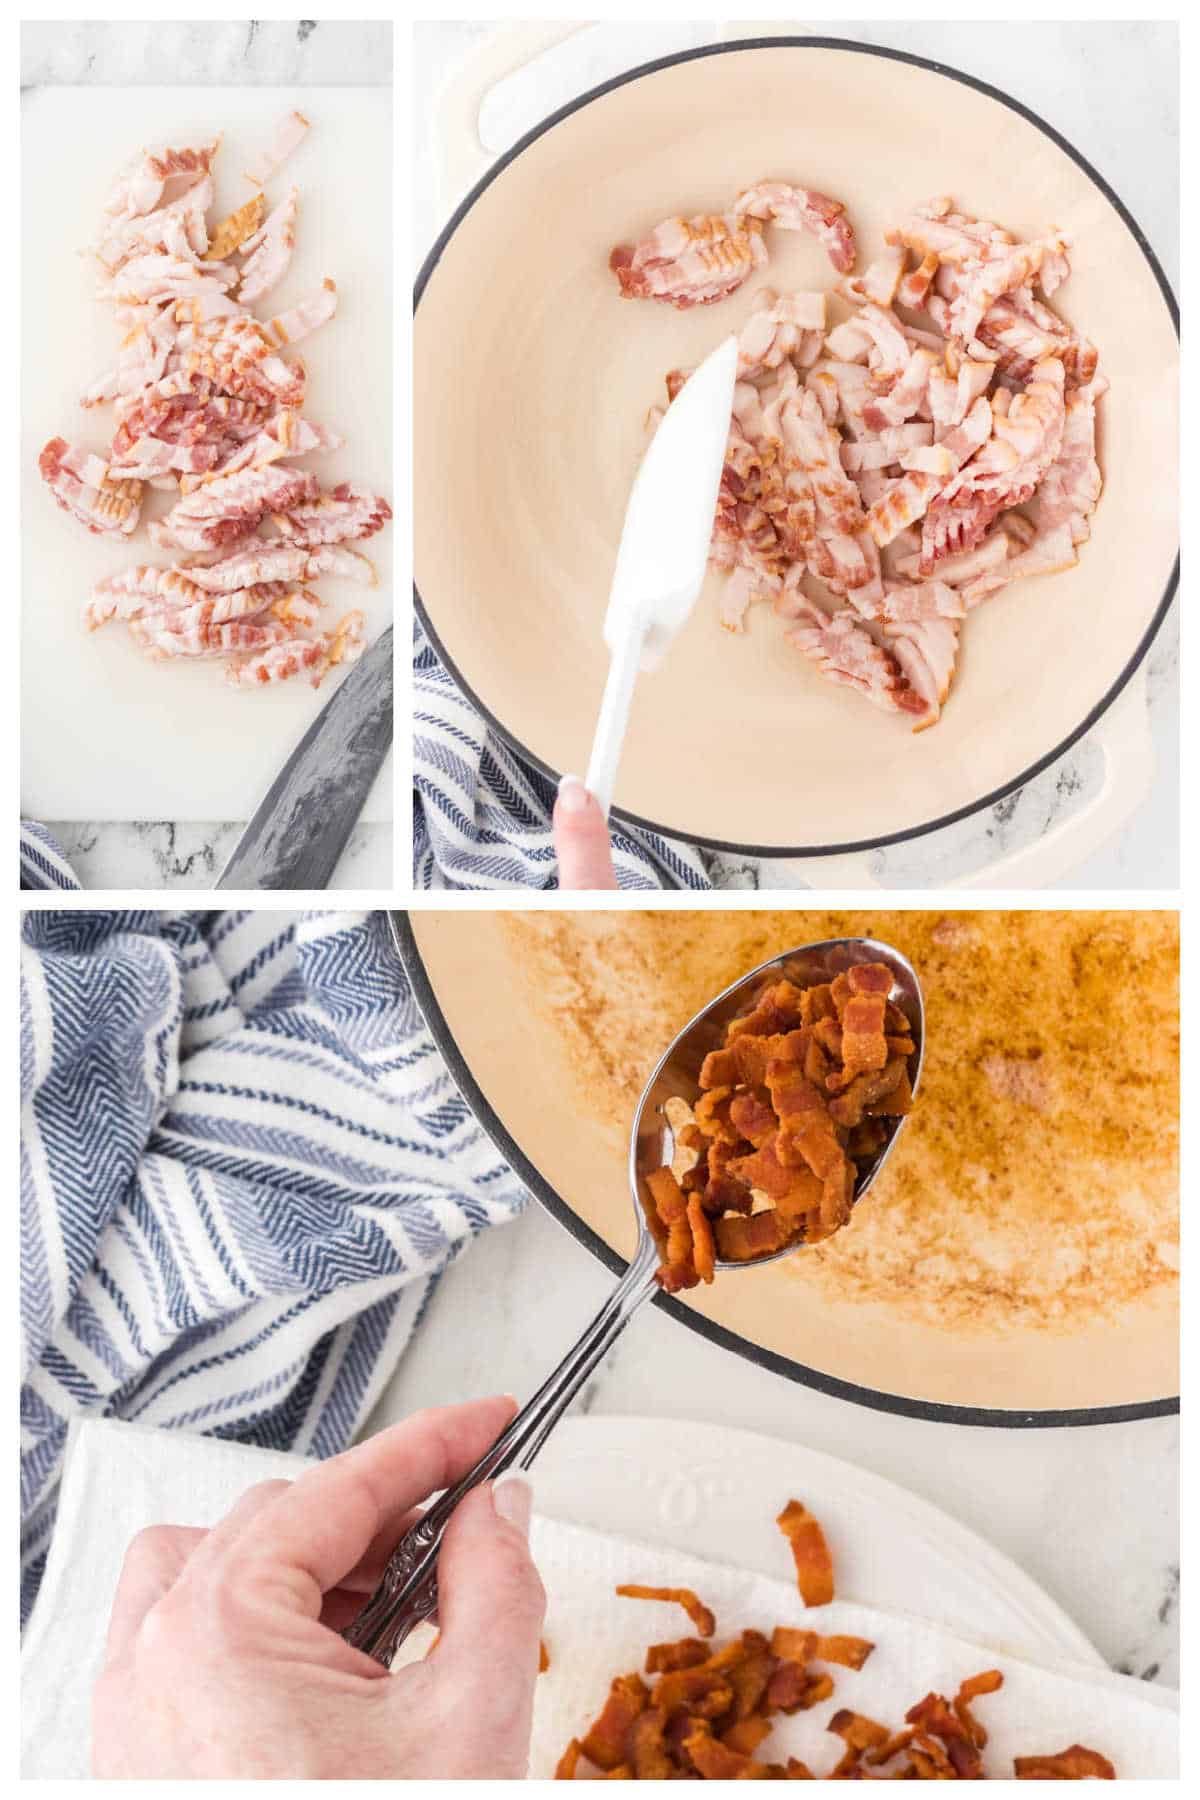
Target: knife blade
x,y
298,833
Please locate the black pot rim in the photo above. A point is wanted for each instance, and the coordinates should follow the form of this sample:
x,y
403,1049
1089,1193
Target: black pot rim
x,y
635,820
877,1399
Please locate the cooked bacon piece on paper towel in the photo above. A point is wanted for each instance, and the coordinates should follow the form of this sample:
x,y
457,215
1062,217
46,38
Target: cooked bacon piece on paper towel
x,y
704,1712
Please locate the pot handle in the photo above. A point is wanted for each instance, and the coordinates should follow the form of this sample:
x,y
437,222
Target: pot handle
x,y
460,156
1123,735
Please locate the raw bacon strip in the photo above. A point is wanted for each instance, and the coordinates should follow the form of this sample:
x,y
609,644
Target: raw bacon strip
x,y
239,230
284,436
690,262
1071,487
230,507
178,229
802,209
349,512
921,625
301,321
293,607
1047,554
82,485
1024,443
143,588
154,277
289,134
269,251
847,655
160,641
280,562
238,357
140,188
315,656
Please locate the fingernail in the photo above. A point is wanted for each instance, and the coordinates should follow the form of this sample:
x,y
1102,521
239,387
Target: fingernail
x,y
512,1498
573,797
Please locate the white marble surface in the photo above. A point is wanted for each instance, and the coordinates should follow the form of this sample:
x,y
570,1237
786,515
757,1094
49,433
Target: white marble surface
x,y
270,53
1113,91
1089,1512
190,856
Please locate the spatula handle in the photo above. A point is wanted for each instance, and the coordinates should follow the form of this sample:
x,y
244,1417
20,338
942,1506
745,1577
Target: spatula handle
x,y
614,716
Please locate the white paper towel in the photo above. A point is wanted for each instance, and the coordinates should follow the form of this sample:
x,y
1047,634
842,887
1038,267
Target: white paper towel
x,y
120,1478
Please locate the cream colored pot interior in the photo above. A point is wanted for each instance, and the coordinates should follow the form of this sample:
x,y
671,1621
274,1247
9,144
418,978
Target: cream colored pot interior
x,y
532,382
1020,1249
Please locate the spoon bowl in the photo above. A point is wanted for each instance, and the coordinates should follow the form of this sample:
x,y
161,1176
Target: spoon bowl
x,y
676,1076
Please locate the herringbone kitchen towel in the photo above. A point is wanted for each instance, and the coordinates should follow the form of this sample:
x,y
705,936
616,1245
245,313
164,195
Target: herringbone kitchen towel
x,y
243,1165
481,816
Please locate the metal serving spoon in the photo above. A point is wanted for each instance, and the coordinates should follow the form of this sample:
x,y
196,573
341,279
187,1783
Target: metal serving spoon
x,y
407,1592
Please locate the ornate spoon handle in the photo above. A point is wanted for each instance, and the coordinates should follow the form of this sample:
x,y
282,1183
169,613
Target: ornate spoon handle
x,y
407,1592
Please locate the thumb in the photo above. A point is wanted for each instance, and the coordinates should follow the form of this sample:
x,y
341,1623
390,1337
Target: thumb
x,y
581,838
490,1608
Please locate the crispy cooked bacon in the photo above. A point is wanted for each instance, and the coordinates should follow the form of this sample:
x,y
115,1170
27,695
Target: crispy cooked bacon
x,y
348,512
802,209
229,508
269,251
83,486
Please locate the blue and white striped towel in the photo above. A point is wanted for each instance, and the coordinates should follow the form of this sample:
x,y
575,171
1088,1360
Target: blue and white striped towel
x,y
243,1166
43,864
481,816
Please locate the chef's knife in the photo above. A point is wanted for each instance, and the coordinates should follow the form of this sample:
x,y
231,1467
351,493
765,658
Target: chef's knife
x,y
664,547
298,833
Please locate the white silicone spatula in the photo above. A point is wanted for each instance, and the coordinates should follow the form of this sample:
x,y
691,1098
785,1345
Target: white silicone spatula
x,y
664,548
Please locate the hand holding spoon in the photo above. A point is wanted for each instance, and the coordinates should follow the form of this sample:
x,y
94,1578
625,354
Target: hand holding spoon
x,y
407,1593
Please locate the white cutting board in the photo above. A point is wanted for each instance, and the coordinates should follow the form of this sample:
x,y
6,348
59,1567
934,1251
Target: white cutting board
x,y
105,733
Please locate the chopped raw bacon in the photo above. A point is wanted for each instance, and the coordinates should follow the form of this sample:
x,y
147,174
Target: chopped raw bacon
x,y
690,262
1074,1764
289,134
229,509
885,456
205,404
140,188
312,656
233,232
274,561
82,485
269,251
349,512
800,209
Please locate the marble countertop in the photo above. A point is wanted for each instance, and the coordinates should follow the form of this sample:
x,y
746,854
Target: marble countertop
x,y
268,53
1090,1513
1078,77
